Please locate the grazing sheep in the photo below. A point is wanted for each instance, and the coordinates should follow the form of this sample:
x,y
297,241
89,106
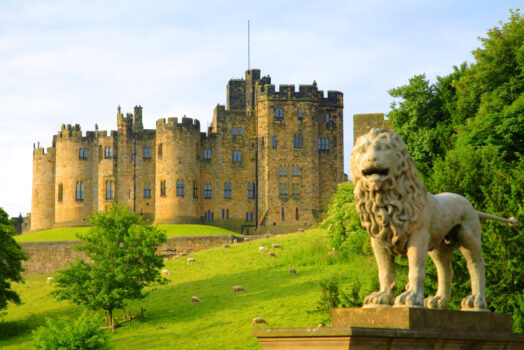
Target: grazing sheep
x,y
331,253
276,246
258,320
246,239
239,289
271,254
225,246
49,279
301,230
293,271
235,241
195,299
262,249
165,273
190,261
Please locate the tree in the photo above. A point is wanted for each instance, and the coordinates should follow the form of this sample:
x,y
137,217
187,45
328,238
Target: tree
x,y
11,257
122,262
466,134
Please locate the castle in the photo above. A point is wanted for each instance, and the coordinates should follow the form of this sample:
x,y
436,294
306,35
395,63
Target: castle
x,y
269,159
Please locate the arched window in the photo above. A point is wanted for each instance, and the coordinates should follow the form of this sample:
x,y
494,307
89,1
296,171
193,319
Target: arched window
x,y
109,189
180,188
163,188
327,117
79,191
300,114
274,142
147,152
147,190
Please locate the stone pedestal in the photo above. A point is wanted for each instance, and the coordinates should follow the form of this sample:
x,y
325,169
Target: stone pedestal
x,y
399,328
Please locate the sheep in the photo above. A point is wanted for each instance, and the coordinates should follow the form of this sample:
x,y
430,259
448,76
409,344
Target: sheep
x,y
331,253
293,271
195,299
276,246
271,254
190,261
239,289
235,241
246,239
258,320
262,249
165,273
225,246
49,279
301,230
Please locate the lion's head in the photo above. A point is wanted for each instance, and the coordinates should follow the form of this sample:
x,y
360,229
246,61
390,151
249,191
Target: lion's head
x,y
388,192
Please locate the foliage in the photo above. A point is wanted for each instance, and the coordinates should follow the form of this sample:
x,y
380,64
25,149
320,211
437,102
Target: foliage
x,y
123,262
11,256
82,333
342,222
466,135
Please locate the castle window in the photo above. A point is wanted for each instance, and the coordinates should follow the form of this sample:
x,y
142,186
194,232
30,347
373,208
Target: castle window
x,y
279,114
223,213
319,144
240,131
108,152
195,189
180,188
249,216
233,129
283,214
282,170
82,153
227,190
60,192
207,153
250,191
227,213
208,191
79,191
208,216
274,142
237,156
327,117
296,214
147,190
295,189
327,144
282,189
147,152
293,170
109,189
297,141
159,151
163,188
300,114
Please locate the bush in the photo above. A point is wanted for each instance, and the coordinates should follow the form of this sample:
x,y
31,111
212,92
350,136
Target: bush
x,y
82,334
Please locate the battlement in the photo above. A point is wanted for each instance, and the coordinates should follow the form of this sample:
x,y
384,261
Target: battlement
x,y
287,91
41,152
187,124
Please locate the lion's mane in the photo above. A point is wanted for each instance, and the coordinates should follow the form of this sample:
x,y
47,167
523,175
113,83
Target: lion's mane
x,y
388,211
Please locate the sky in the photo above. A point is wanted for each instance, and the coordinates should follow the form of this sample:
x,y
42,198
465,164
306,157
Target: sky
x,y
74,62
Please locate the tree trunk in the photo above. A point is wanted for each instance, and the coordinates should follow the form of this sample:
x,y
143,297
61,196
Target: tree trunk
x,y
111,323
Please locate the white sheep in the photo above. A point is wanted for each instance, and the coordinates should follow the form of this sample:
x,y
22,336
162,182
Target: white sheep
x,y
293,271
239,289
271,254
258,320
262,249
235,241
195,299
49,279
225,246
276,246
246,239
165,273
301,230
331,253
190,261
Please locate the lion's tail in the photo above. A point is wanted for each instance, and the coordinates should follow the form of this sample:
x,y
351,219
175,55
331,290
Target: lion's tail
x,y
511,221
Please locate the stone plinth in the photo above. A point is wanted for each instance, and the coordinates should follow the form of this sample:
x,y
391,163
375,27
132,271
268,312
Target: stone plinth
x,y
398,328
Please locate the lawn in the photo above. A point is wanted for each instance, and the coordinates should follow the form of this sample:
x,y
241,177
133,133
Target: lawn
x,y
222,321
70,233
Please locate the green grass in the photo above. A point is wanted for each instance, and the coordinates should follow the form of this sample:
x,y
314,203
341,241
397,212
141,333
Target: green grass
x,y
70,233
222,321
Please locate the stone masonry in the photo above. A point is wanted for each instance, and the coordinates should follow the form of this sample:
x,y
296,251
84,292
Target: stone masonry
x,y
271,158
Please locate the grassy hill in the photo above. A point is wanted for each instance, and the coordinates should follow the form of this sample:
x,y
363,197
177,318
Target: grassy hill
x,y
70,233
222,321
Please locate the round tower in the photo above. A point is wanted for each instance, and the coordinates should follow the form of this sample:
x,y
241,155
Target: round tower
x,y
177,171
73,180
43,200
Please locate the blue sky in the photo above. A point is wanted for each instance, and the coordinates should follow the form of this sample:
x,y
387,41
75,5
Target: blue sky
x,y
74,62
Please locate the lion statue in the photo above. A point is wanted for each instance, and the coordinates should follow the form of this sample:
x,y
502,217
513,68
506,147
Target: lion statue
x,y
403,219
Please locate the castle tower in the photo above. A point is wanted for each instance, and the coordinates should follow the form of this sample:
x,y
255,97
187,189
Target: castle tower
x,y
43,198
74,178
177,168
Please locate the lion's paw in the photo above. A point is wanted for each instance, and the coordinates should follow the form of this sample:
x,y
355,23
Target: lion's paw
x,y
380,297
474,302
410,298
436,302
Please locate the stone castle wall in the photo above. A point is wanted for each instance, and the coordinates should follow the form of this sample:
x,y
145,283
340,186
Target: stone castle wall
x,y
47,257
237,150
363,122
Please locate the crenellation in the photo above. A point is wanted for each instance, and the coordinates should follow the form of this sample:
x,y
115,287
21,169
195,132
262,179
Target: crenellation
x,y
177,173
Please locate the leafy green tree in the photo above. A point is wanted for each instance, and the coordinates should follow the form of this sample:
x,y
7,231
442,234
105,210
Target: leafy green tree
x,y
78,334
466,134
11,257
122,262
